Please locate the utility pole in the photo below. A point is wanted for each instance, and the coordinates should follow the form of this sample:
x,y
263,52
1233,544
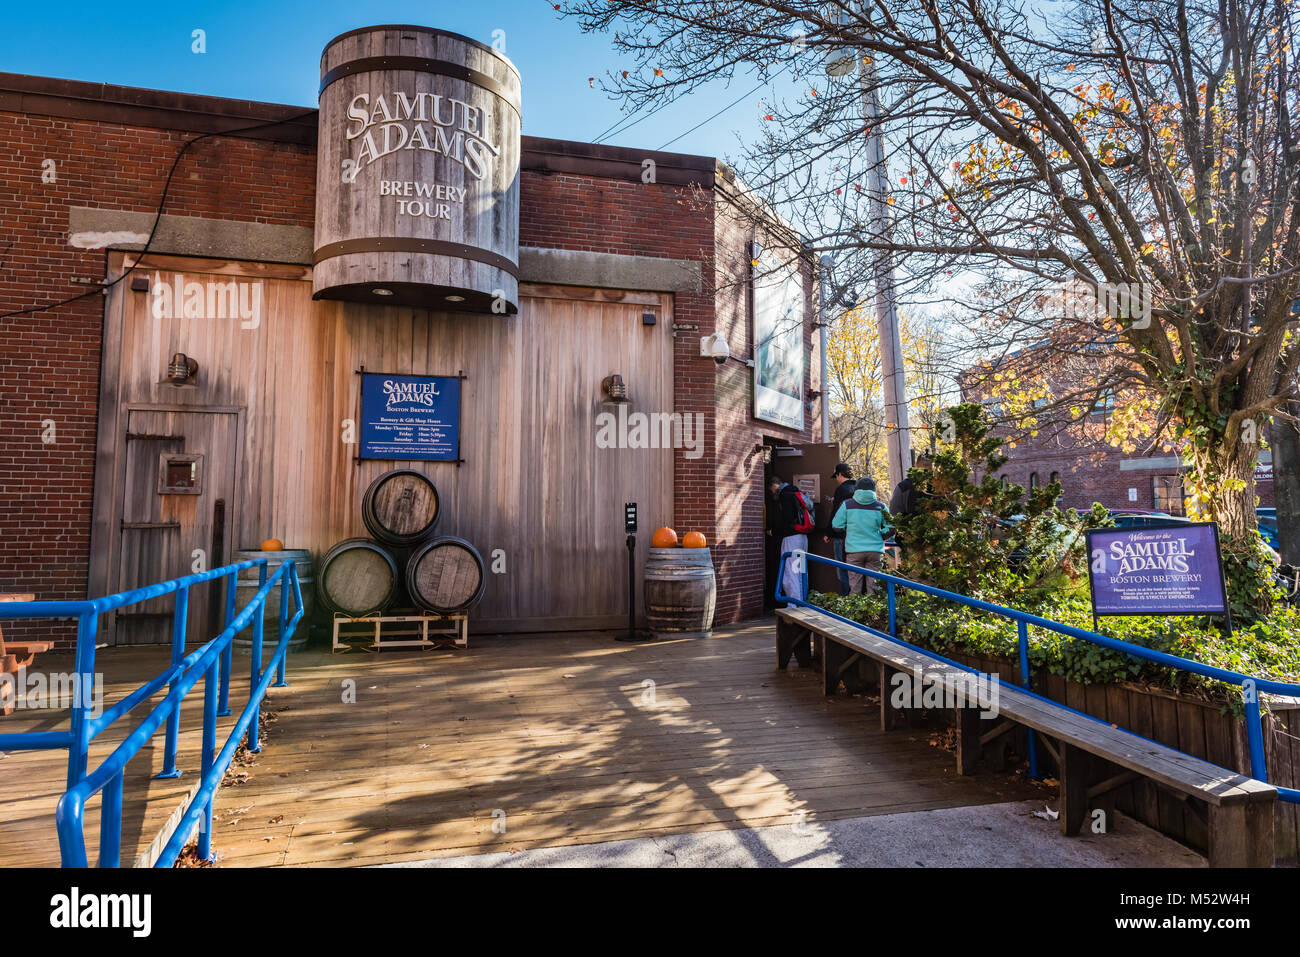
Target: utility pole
x,y
898,435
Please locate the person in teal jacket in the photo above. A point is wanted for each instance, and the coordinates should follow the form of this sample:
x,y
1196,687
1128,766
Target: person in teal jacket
x,y
865,523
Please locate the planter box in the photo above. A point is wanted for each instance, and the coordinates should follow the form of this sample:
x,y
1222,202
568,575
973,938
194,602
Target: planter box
x,y
1189,724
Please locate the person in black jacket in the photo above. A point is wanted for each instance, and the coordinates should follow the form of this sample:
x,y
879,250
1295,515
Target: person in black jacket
x,y
843,478
905,501
783,513
906,494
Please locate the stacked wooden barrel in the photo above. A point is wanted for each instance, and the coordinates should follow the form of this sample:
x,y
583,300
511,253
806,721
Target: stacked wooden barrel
x,y
445,575
403,563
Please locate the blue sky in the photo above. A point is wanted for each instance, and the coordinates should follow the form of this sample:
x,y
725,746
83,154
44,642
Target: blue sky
x,y
270,51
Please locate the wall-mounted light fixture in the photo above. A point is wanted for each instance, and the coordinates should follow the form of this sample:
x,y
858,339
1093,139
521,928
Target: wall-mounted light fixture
x,y
614,388
181,369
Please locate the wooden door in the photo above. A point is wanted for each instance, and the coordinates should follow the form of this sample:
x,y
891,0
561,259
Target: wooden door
x,y
178,499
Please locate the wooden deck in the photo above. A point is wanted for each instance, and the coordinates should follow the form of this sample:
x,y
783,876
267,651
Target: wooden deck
x,y
565,739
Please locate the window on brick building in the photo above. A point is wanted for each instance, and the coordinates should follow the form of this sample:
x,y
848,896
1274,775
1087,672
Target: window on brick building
x,y
1167,493
1033,481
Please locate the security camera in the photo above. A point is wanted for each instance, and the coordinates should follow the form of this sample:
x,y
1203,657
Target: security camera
x,y
716,348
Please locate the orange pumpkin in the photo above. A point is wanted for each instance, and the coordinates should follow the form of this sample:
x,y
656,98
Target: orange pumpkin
x,y
664,538
694,540
273,545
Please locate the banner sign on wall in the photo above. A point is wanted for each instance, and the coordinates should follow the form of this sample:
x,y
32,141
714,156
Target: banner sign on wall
x,y
1170,569
778,339
410,417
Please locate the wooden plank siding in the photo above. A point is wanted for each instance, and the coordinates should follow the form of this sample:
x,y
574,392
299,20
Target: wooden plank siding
x,y
534,484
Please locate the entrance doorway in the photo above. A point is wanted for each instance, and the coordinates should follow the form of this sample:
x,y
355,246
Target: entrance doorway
x,y
808,466
176,512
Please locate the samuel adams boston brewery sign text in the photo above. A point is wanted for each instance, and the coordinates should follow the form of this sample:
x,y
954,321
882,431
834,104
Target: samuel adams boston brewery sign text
x,y
1158,570
417,182
410,417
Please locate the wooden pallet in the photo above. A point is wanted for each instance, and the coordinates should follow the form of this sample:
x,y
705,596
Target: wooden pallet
x,y
415,630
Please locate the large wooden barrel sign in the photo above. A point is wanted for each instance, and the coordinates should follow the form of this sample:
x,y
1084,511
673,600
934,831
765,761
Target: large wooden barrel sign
x,y
417,177
400,507
680,592
356,577
446,576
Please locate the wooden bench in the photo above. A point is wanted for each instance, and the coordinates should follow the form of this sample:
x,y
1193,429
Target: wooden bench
x,y
16,654
1094,758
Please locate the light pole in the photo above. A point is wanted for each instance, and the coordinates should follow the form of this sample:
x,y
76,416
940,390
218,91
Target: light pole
x,y
898,436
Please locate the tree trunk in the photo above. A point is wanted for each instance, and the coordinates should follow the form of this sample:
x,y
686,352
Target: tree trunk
x,y
1285,439
1223,487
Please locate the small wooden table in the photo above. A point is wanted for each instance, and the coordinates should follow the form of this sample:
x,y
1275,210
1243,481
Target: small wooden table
x,y
16,654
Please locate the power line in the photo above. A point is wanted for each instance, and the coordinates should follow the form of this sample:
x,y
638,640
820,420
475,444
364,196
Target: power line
x,y
162,202
724,109
618,126
622,125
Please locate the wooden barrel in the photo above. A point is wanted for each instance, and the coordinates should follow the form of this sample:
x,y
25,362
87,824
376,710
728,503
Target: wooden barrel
x,y
400,507
417,182
680,592
446,575
246,586
356,577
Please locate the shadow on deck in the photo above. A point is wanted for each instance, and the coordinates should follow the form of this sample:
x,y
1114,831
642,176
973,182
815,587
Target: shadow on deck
x,y
517,742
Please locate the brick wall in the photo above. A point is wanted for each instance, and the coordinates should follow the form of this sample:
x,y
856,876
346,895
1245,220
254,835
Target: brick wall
x,y
49,360
738,497
1096,475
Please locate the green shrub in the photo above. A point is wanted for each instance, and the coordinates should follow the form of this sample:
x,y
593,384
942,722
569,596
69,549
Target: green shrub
x,y
979,539
1268,648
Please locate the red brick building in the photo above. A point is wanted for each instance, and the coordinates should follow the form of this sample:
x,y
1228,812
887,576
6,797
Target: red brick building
x,y
85,176
1094,472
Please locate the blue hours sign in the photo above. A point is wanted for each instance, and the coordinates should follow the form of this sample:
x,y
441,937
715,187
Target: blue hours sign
x,y
410,417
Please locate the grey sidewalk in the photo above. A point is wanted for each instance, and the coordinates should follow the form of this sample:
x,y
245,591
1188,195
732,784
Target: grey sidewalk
x,y
989,835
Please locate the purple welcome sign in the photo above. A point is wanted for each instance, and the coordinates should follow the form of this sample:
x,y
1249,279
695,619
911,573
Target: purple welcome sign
x,y
1157,570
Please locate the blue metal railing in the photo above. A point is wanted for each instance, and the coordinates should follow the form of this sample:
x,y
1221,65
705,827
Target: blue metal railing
x,y
212,661
1251,687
